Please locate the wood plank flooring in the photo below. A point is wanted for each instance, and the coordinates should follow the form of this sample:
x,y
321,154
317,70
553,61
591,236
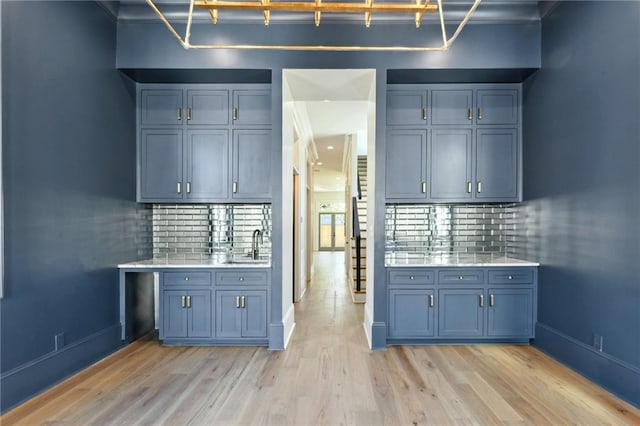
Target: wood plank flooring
x,y
327,376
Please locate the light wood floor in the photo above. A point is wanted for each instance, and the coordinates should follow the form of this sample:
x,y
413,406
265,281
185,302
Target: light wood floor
x,y
326,376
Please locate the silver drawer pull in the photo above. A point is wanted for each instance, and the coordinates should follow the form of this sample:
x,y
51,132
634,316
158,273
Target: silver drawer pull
x,y
186,278
460,277
241,278
412,277
510,277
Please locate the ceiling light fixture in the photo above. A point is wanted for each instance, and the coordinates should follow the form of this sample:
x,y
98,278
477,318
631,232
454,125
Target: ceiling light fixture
x,y
418,8
330,147
319,163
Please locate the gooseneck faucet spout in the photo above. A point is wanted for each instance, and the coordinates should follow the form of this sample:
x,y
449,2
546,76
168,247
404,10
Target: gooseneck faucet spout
x,y
255,251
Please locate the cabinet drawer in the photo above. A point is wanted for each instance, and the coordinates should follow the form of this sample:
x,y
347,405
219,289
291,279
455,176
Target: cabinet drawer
x,y
242,278
190,278
411,276
461,276
511,276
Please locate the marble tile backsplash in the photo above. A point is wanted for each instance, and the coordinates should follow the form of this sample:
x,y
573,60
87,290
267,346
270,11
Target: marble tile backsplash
x,y
204,229
451,229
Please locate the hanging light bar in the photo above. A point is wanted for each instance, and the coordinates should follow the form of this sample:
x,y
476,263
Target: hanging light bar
x,y
317,7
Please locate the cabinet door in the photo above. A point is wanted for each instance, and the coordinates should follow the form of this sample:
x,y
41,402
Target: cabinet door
x,y
407,107
460,312
208,107
199,313
251,108
451,106
497,164
497,106
406,159
510,313
254,314
450,162
161,107
161,165
228,314
410,313
207,164
174,314
251,164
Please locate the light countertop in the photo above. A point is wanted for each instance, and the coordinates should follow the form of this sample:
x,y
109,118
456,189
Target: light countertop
x,y
194,263
453,260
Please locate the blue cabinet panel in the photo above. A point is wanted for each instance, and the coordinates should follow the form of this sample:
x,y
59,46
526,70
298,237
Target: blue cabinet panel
x,y
411,313
161,163
497,164
199,313
411,277
407,107
406,160
161,107
497,106
451,107
461,276
511,276
174,314
254,313
207,164
251,108
460,313
228,314
186,278
208,107
252,164
450,177
510,313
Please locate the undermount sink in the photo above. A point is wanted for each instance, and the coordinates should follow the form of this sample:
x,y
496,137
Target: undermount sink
x,y
248,260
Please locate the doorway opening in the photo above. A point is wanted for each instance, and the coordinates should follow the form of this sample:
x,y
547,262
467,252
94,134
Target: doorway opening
x,y
328,138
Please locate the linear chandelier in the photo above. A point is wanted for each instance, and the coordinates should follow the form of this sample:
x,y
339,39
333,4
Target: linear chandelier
x,y
317,7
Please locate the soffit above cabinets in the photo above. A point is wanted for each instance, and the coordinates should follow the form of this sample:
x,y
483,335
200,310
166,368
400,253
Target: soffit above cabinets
x,y
489,11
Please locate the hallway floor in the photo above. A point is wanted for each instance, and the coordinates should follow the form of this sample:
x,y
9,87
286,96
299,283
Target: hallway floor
x,y
327,376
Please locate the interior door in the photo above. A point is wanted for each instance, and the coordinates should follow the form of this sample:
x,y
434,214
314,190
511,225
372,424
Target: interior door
x,y
332,229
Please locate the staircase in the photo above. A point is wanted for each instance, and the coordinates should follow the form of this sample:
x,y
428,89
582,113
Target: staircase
x,y
358,295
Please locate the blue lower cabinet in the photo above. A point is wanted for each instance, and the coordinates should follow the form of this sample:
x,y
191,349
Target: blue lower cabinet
x,y
510,313
461,313
241,313
411,313
186,314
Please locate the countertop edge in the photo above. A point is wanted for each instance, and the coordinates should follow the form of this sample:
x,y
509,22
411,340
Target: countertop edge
x,y
463,264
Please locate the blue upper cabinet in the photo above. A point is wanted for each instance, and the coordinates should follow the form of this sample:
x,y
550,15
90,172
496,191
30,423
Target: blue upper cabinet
x,y
207,107
207,164
251,108
251,165
204,143
497,164
160,165
473,141
407,107
161,107
497,106
406,164
450,177
451,106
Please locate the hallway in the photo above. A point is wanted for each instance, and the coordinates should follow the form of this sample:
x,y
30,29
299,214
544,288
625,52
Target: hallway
x,y
327,376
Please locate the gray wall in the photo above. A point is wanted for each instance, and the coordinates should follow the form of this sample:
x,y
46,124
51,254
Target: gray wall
x,y
69,187
581,180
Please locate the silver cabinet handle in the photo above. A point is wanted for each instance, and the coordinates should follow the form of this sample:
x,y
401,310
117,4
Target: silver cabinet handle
x,y
237,301
186,278
424,113
179,187
491,300
242,302
412,277
241,278
481,300
235,114
469,187
510,277
431,300
188,187
189,114
188,301
470,113
479,113
424,187
179,114
460,277
184,301
479,187
234,187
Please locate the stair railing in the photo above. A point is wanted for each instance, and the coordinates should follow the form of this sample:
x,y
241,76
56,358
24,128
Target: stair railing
x,y
358,240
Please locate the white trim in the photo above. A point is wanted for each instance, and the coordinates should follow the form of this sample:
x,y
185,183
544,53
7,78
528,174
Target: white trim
x,y
289,325
367,325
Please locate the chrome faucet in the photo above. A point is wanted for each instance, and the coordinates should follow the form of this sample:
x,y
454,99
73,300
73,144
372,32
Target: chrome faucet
x,y
255,252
